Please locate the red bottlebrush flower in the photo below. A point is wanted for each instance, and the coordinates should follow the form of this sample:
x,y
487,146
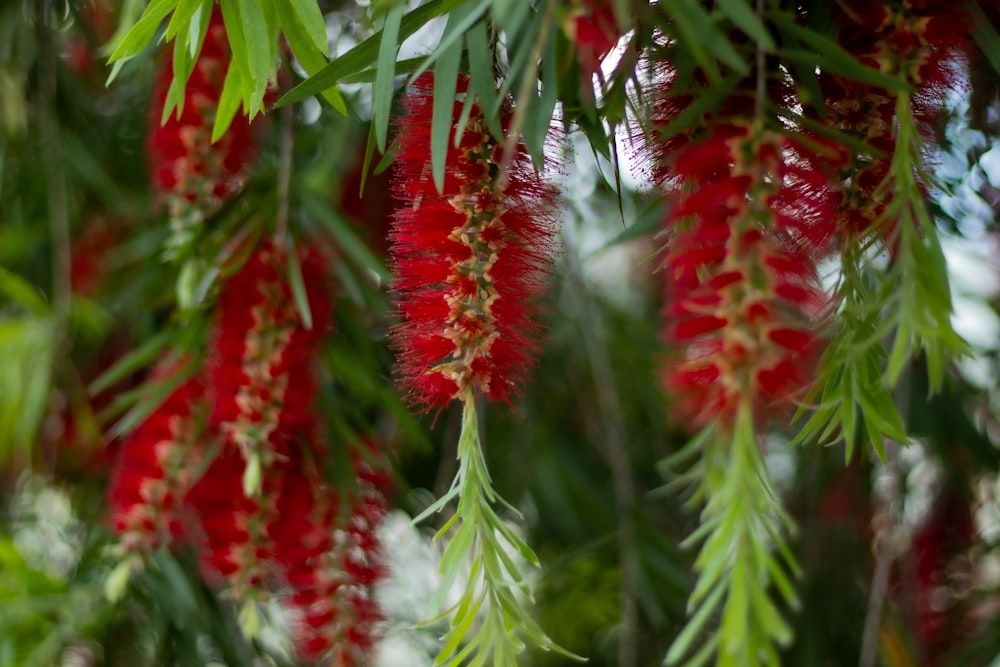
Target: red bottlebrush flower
x,y
743,301
233,543
924,42
193,175
88,254
261,372
468,261
153,472
595,32
332,559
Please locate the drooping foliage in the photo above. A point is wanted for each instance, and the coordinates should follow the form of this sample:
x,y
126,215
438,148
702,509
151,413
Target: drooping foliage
x,y
268,271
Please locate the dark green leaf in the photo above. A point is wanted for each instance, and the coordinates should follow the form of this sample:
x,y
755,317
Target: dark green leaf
x,y
831,56
365,54
743,16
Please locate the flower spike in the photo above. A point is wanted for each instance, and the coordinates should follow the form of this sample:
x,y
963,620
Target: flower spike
x,y
469,260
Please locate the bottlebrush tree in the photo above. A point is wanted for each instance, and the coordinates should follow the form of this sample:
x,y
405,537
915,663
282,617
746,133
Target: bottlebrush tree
x,y
493,332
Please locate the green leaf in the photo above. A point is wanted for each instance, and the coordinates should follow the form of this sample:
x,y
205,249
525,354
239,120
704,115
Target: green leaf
x,y
136,39
345,236
459,21
482,80
19,290
299,289
385,73
257,36
133,361
240,59
744,18
682,644
182,16
442,122
698,33
312,21
27,349
151,397
984,34
229,102
312,58
831,56
365,54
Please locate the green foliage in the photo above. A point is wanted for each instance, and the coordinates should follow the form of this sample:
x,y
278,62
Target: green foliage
x,y
743,553
481,549
917,288
852,372
521,60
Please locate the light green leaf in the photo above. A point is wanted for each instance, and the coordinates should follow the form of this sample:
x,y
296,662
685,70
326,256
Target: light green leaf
x,y
442,122
136,39
19,290
229,102
257,36
312,21
385,73
312,59
240,59
182,16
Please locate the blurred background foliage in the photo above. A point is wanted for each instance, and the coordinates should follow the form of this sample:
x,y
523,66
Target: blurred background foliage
x,y
578,455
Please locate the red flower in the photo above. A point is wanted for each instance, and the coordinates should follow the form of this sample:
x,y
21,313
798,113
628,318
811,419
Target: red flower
x,y
750,219
468,261
594,32
331,559
153,470
193,175
233,544
261,372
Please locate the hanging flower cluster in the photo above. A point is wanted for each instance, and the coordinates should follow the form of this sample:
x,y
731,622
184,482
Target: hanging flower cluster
x,y
748,220
260,516
192,174
153,471
262,358
468,261
333,574
920,42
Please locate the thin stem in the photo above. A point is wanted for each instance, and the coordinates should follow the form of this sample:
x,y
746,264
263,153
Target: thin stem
x,y
886,526
285,174
761,71
58,207
623,483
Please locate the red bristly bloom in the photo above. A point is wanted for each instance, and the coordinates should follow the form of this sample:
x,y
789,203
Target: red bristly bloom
x,y
750,217
331,559
153,470
193,175
468,261
922,42
233,544
751,214
261,371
